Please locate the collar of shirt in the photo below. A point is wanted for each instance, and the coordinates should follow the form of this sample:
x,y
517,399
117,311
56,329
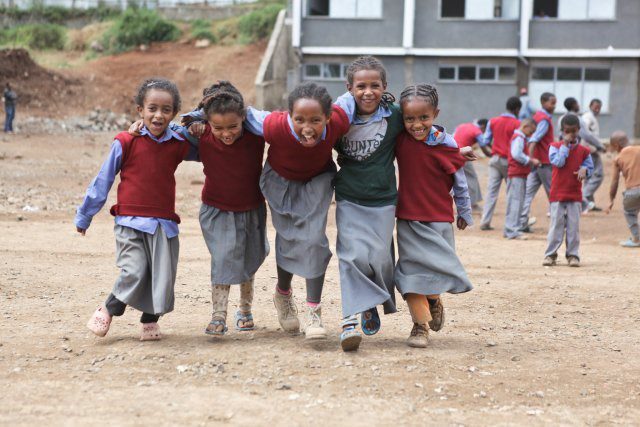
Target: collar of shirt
x,y
508,115
520,134
436,135
166,136
380,114
295,135
549,115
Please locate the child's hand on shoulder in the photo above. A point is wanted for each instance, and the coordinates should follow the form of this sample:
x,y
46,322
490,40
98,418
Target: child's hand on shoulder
x,y
82,231
135,128
468,154
196,129
581,174
461,223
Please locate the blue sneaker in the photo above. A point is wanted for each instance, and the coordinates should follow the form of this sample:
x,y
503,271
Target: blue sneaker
x,y
370,321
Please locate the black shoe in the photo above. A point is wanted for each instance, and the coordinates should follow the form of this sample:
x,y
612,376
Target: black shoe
x,y
596,209
486,227
526,229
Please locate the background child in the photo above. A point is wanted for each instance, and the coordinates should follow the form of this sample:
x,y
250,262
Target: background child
x,y
233,215
571,165
500,130
519,167
626,162
430,167
467,135
539,148
146,227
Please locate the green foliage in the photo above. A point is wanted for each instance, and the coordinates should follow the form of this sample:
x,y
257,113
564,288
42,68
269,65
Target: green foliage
x,y
258,24
136,27
35,36
201,29
58,14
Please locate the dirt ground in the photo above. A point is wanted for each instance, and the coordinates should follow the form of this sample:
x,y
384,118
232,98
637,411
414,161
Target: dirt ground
x,y
529,345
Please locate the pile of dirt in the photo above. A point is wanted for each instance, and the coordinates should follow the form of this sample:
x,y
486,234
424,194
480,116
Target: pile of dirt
x,y
36,86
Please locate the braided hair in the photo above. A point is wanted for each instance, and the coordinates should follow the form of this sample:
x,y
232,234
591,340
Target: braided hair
x,y
220,98
370,63
421,90
310,90
158,84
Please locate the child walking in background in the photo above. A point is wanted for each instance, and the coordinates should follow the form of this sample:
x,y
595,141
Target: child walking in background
x,y
571,165
499,129
519,168
430,166
233,215
626,162
467,135
146,227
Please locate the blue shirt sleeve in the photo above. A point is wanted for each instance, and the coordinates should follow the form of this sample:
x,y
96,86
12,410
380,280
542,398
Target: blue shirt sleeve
x,y
98,190
461,196
541,131
487,137
254,122
194,143
517,151
480,138
558,157
588,164
347,102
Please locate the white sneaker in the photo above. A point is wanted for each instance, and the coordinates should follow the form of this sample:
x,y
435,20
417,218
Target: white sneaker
x,y
287,312
532,221
313,329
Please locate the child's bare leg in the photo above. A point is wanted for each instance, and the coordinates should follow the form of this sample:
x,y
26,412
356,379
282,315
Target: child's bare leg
x,y
220,301
246,300
419,308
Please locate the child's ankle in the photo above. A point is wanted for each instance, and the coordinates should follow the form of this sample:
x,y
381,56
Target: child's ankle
x,y
312,304
283,292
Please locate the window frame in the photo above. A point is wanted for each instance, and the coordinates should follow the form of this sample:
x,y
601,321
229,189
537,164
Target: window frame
x,y
323,69
306,15
614,18
478,80
462,18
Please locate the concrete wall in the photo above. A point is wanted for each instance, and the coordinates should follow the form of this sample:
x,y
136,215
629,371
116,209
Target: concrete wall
x,y
387,32
435,32
621,33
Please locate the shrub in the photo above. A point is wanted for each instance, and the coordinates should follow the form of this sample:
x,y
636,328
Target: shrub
x,y
139,26
258,24
36,36
201,29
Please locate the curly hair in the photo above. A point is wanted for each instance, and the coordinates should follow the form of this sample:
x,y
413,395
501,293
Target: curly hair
x,y
158,84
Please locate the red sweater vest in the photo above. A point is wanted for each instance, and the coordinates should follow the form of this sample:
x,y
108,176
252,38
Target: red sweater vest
x,y
502,128
515,168
565,186
290,159
147,182
541,151
426,178
232,172
466,134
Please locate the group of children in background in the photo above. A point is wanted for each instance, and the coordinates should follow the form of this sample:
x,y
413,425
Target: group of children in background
x,y
298,180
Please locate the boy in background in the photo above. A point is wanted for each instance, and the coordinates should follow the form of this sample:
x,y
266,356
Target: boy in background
x,y
467,135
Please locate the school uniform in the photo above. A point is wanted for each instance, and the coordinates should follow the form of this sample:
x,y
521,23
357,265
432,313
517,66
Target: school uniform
x,y
233,214
499,129
517,173
146,224
541,175
466,135
366,197
428,171
566,197
628,162
297,183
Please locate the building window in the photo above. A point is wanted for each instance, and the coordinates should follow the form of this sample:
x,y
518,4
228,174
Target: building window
x,y
582,83
574,9
344,8
480,9
325,71
477,73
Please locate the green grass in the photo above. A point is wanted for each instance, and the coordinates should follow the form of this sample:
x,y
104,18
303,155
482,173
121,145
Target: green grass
x,y
138,26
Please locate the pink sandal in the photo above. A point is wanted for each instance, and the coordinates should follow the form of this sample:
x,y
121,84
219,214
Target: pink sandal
x,y
99,322
150,332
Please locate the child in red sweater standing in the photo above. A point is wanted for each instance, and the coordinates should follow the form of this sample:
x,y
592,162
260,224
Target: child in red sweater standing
x,y
430,167
146,227
571,165
467,135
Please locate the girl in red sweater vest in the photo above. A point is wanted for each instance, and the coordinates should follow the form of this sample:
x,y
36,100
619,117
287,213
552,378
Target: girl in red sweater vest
x,y
430,166
146,228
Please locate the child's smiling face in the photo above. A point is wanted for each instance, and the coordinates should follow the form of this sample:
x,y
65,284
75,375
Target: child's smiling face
x,y
226,127
157,111
367,89
308,120
418,116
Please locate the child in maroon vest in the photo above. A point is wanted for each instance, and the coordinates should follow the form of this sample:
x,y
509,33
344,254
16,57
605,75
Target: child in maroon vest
x,y
233,215
430,166
467,135
146,228
571,165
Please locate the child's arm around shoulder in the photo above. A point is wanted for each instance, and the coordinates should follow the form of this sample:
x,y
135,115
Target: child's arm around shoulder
x,y
254,122
462,199
98,189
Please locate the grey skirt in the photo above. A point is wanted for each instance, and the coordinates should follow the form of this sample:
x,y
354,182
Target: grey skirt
x,y
365,257
148,265
427,260
237,242
299,215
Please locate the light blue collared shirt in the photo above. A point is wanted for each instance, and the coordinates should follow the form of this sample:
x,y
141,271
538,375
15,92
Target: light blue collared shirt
x,y
98,190
558,157
488,133
541,129
347,102
517,148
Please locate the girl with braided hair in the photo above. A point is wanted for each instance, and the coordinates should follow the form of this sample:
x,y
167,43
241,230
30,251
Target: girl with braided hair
x,y
430,167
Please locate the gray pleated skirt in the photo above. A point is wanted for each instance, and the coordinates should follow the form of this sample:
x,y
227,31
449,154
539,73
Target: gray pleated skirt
x,y
427,260
148,264
299,215
237,242
365,257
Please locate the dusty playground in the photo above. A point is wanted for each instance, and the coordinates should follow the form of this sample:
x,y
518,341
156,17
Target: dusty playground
x,y
530,345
